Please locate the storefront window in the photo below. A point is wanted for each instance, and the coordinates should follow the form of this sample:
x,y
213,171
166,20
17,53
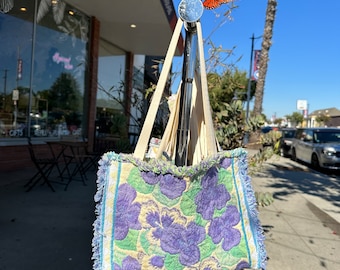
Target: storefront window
x,y
111,87
49,102
16,31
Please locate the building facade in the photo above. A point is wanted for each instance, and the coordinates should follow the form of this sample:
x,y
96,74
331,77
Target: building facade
x,y
69,66
329,117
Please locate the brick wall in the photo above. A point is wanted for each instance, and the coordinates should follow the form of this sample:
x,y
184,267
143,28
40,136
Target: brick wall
x,y
14,158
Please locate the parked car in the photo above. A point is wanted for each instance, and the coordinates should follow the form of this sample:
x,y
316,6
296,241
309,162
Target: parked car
x,y
286,140
266,129
319,147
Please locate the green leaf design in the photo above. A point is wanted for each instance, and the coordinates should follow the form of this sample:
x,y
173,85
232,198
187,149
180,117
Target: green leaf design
x,y
206,248
218,213
188,206
229,260
130,241
145,242
172,262
138,183
238,252
199,220
149,249
225,257
225,177
119,256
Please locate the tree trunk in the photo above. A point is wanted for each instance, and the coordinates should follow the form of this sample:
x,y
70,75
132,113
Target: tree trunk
x,y
263,64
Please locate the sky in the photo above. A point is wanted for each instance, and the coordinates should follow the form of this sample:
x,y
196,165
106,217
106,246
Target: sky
x,y
305,53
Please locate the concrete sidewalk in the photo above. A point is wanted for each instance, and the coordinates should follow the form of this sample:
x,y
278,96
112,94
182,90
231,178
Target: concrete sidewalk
x,y
45,230
302,225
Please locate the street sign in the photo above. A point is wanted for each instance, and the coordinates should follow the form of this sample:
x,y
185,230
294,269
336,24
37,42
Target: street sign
x,y
302,105
15,95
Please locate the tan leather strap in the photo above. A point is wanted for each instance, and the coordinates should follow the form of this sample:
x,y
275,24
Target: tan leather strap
x,y
210,132
169,139
144,137
202,139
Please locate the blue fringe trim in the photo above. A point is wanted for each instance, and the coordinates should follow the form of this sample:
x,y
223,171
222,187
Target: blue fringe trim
x,y
259,236
102,177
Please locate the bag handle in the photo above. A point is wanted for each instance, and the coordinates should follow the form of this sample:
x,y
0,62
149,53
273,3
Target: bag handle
x,y
210,131
202,139
169,138
145,134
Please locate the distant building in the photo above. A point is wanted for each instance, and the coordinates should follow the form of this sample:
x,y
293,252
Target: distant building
x,y
329,117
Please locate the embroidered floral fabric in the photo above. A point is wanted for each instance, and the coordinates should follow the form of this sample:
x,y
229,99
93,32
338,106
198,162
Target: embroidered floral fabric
x,y
154,215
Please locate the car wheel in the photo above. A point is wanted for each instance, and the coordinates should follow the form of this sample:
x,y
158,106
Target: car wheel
x,y
315,162
294,154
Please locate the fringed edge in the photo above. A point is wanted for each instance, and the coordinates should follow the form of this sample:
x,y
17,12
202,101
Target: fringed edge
x,y
102,178
159,166
255,223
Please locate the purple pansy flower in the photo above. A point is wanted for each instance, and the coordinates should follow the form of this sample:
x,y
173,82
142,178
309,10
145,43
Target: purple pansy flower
x,y
181,240
225,163
242,265
221,228
151,178
212,196
171,186
157,261
158,223
156,220
127,212
128,263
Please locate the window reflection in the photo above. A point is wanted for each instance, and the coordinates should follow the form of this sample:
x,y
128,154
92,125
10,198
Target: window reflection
x,y
15,58
52,103
111,87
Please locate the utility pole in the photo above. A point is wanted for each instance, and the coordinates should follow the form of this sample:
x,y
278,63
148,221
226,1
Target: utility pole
x,y
5,86
246,139
249,79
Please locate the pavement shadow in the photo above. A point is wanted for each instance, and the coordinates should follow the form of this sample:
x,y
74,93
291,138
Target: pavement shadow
x,y
42,229
295,178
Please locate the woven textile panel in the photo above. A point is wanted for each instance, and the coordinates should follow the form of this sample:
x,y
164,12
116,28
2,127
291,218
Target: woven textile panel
x,y
154,215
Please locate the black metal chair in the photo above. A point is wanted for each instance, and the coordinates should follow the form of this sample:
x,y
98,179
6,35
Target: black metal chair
x,y
44,165
77,159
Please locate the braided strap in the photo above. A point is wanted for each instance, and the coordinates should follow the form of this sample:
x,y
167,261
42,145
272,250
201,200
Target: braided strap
x,y
159,166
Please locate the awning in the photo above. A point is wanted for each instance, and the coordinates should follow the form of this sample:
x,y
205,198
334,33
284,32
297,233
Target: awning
x,y
154,21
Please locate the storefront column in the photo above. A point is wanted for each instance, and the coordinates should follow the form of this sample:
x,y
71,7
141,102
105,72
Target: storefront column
x,y
128,80
93,80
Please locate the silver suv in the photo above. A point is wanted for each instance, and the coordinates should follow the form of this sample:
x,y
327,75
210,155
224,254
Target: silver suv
x,y
319,147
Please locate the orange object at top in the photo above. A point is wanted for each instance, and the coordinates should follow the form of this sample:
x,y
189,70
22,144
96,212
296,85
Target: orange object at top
x,y
212,4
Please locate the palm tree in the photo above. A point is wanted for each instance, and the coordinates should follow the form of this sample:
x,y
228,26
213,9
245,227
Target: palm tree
x,y
6,5
263,65
58,9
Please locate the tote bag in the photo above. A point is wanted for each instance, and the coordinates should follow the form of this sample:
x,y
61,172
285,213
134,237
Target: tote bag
x,y
152,214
